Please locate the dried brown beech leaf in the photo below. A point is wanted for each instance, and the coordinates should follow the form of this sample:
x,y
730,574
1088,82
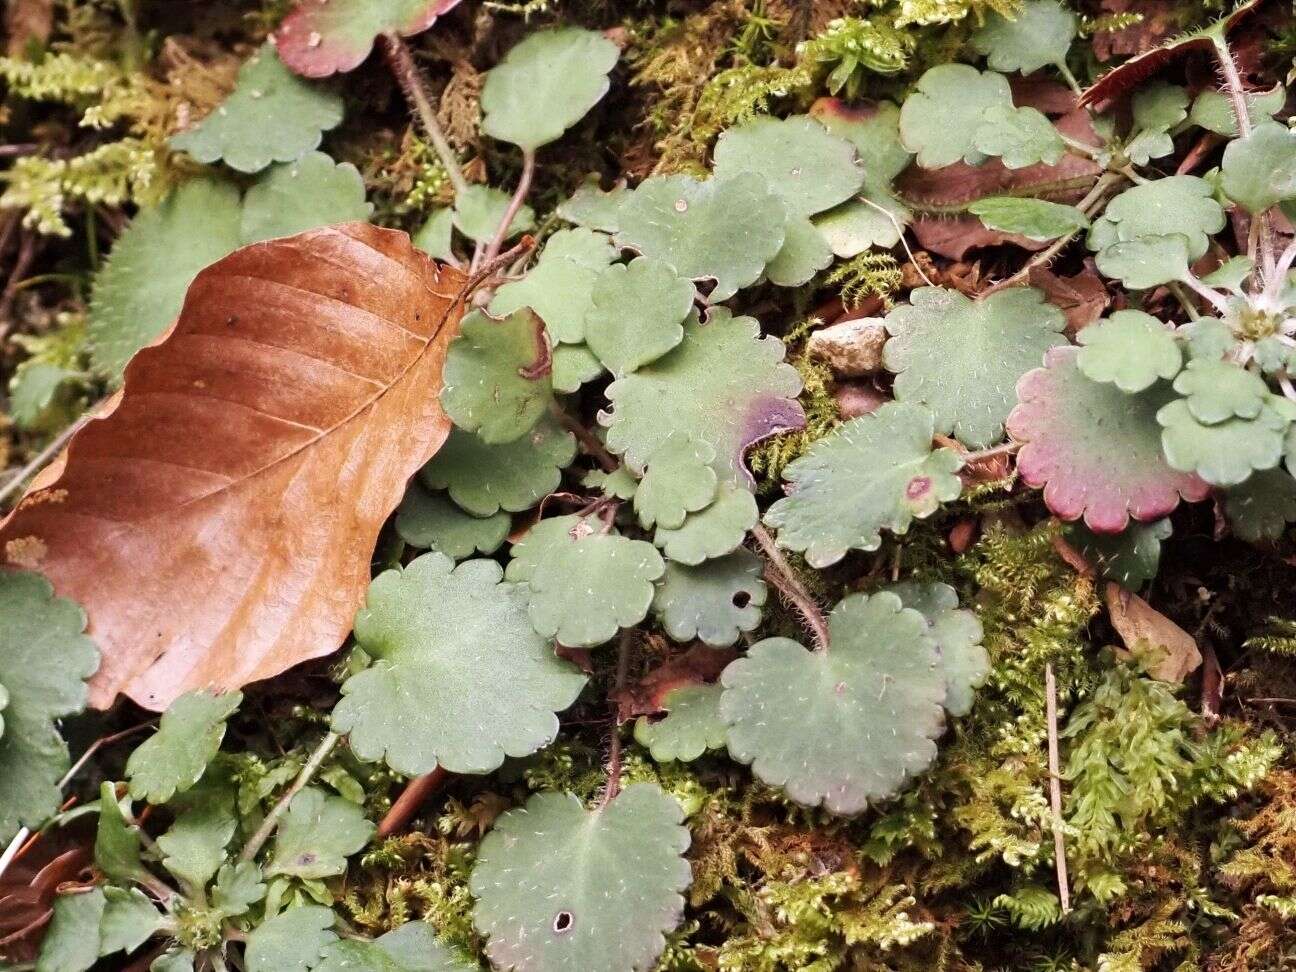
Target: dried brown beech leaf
x,y
216,519
1081,298
1168,651
954,237
699,665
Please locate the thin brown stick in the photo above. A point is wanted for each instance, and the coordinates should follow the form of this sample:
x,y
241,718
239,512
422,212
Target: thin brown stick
x,y
307,773
411,799
1055,788
780,573
411,81
613,785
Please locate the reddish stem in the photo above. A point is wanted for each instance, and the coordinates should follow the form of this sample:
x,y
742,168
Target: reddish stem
x,y
411,799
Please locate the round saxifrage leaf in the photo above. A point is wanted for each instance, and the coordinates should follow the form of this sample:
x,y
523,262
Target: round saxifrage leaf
x,y
460,677
413,947
317,834
724,230
545,85
725,384
484,479
270,116
620,483
677,480
875,471
1018,137
691,726
1228,452
1148,261
496,384
1180,204
1036,219
44,662
573,366
292,941
584,591
1213,110
962,358
1130,349
1094,449
715,531
560,286
1039,34
322,37
1259,171
1130,558
957,633
846,726
539,544
636,313
591,207
478,211
175,757
805,251
563,889
434,236
141,287
714,601
1261,508
1220,390
809,167
296,196
432,522
939,120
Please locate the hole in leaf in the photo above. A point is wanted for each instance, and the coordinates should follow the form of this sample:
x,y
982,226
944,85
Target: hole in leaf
x,y
741,599
562,922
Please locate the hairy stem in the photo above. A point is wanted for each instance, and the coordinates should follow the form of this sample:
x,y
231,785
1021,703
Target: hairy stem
x,y
613,785
1237,95
519,197
411,81
272,819
780,573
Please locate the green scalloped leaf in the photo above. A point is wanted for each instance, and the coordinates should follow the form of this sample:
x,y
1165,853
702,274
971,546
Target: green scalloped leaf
x,y
434,236
963,358
432,522
636,314
175,757
804,253
270,116
844,727
129,920
677,480
714,601
460,678
72,942
874,472
1130,350
691,726
724,384
194,846
545,85
724,230
117,839
940,118
1146,262
560,287
293,941
1035,219
1213,110
1018,137
141,287
1180,204
413,947
1039,34
957,633
484,479
496,382
584,590
1220,390
238,887
541,542
714,531
1259,171
619,483
591,207
1208,338
1226,453
563,889
1130,558
44,661
297,196
478,211
573,366
1259,509
319,832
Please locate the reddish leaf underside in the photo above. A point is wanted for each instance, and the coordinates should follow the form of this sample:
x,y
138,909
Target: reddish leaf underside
x,y
323,37
217,518
1095,450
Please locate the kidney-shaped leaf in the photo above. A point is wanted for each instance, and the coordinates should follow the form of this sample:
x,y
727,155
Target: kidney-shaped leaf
x,y
962,358
940,119
714,601
846,726
317,834
875,471
216,519
1039,33
563,889
497,382
461,679
1130,349
322,37
1259,171
957,633
691,726
1094,449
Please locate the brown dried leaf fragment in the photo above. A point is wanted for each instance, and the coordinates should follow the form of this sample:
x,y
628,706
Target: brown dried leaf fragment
x,y
1167,651
220,512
